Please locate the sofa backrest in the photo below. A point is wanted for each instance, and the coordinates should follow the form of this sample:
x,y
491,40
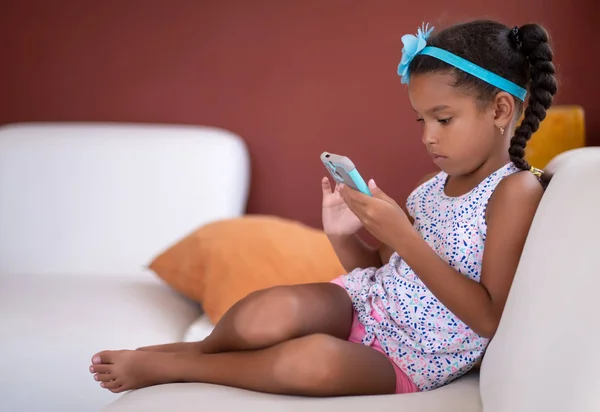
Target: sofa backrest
x,y
106,198
543,356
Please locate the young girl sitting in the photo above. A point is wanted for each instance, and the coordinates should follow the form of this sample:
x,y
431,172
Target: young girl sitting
x,y
419,311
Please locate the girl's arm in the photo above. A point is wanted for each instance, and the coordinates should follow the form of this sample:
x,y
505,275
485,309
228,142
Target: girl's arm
x,y
354,253
479,305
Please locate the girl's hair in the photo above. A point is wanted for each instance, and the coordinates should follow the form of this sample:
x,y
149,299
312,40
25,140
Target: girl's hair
x,y
521,55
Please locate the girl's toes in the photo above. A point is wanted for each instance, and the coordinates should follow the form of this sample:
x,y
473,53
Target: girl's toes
x,y
103,377
101,368
112,385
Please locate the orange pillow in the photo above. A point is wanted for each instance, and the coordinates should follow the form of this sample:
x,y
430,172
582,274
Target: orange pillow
x,y
222,262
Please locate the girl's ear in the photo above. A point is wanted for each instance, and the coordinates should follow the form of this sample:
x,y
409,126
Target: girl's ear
x,y
504,109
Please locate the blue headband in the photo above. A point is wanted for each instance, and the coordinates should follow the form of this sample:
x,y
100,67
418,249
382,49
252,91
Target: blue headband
x,y
415,45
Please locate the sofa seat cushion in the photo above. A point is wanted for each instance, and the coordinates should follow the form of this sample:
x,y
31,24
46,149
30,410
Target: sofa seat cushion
x,y
461,395
199,329
52,325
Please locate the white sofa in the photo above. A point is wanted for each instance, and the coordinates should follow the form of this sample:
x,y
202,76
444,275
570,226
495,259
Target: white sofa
x,y
83,208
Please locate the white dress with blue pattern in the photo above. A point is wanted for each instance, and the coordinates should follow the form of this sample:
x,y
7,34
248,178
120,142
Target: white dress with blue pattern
x,y
428,342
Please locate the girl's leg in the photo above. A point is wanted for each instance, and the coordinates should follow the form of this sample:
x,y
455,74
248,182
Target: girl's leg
x,y
173,347
313,365
274,315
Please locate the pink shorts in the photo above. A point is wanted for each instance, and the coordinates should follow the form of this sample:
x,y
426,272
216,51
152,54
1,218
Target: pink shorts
x,y
358,332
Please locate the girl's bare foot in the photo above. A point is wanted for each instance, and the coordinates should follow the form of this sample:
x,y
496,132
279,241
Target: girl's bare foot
x,y
123,370
195,347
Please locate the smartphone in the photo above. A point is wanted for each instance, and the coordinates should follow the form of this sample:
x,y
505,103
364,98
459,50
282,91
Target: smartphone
x,y
343,171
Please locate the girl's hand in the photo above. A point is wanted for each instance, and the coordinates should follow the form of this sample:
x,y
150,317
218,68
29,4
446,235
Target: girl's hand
x,y
380,214
338,219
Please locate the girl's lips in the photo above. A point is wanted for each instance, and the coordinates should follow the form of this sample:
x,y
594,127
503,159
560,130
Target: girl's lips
x,y
437,158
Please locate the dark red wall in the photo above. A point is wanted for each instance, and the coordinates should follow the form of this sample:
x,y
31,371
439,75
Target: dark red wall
x,y
292,77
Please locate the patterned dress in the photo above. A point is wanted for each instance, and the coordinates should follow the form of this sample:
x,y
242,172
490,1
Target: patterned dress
x,y
427,341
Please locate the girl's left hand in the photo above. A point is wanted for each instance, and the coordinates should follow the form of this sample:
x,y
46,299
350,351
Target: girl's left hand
x,y
380,214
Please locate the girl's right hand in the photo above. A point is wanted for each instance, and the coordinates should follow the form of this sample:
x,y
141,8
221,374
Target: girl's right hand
x,y
338,219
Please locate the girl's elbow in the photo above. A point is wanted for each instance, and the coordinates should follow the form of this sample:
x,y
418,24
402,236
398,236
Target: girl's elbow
x,y
487,333
489,327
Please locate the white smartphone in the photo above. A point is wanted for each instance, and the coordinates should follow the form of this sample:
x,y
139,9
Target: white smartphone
x,y
342,170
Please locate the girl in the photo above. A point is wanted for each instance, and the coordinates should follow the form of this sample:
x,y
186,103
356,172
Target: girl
x,y
420,311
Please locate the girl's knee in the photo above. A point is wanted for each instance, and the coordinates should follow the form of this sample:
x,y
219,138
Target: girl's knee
x,y
309,364
273,310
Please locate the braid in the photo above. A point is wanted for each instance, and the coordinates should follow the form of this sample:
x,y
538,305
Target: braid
x,y
533,43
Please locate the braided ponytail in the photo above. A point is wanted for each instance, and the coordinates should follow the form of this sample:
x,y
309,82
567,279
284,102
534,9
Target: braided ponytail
x,y
532,41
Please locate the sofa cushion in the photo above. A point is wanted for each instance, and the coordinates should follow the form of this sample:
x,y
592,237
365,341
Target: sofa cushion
x,y
461,395
199,329
52,325
79,198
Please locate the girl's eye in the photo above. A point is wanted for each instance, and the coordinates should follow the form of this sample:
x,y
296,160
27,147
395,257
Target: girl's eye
x,y
441,121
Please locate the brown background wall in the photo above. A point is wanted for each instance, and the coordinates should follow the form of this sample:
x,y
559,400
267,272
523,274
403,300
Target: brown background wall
x,y
292,77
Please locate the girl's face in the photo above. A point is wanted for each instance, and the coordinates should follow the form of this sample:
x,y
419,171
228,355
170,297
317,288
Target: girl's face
x,y
458,133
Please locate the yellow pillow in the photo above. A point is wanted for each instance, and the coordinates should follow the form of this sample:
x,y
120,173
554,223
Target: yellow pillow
x,y
563,129
222,262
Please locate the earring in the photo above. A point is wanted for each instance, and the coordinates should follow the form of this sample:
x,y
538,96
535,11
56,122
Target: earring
x,y
501,130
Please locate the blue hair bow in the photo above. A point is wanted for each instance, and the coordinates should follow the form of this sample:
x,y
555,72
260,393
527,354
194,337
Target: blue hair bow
x,y
412,47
